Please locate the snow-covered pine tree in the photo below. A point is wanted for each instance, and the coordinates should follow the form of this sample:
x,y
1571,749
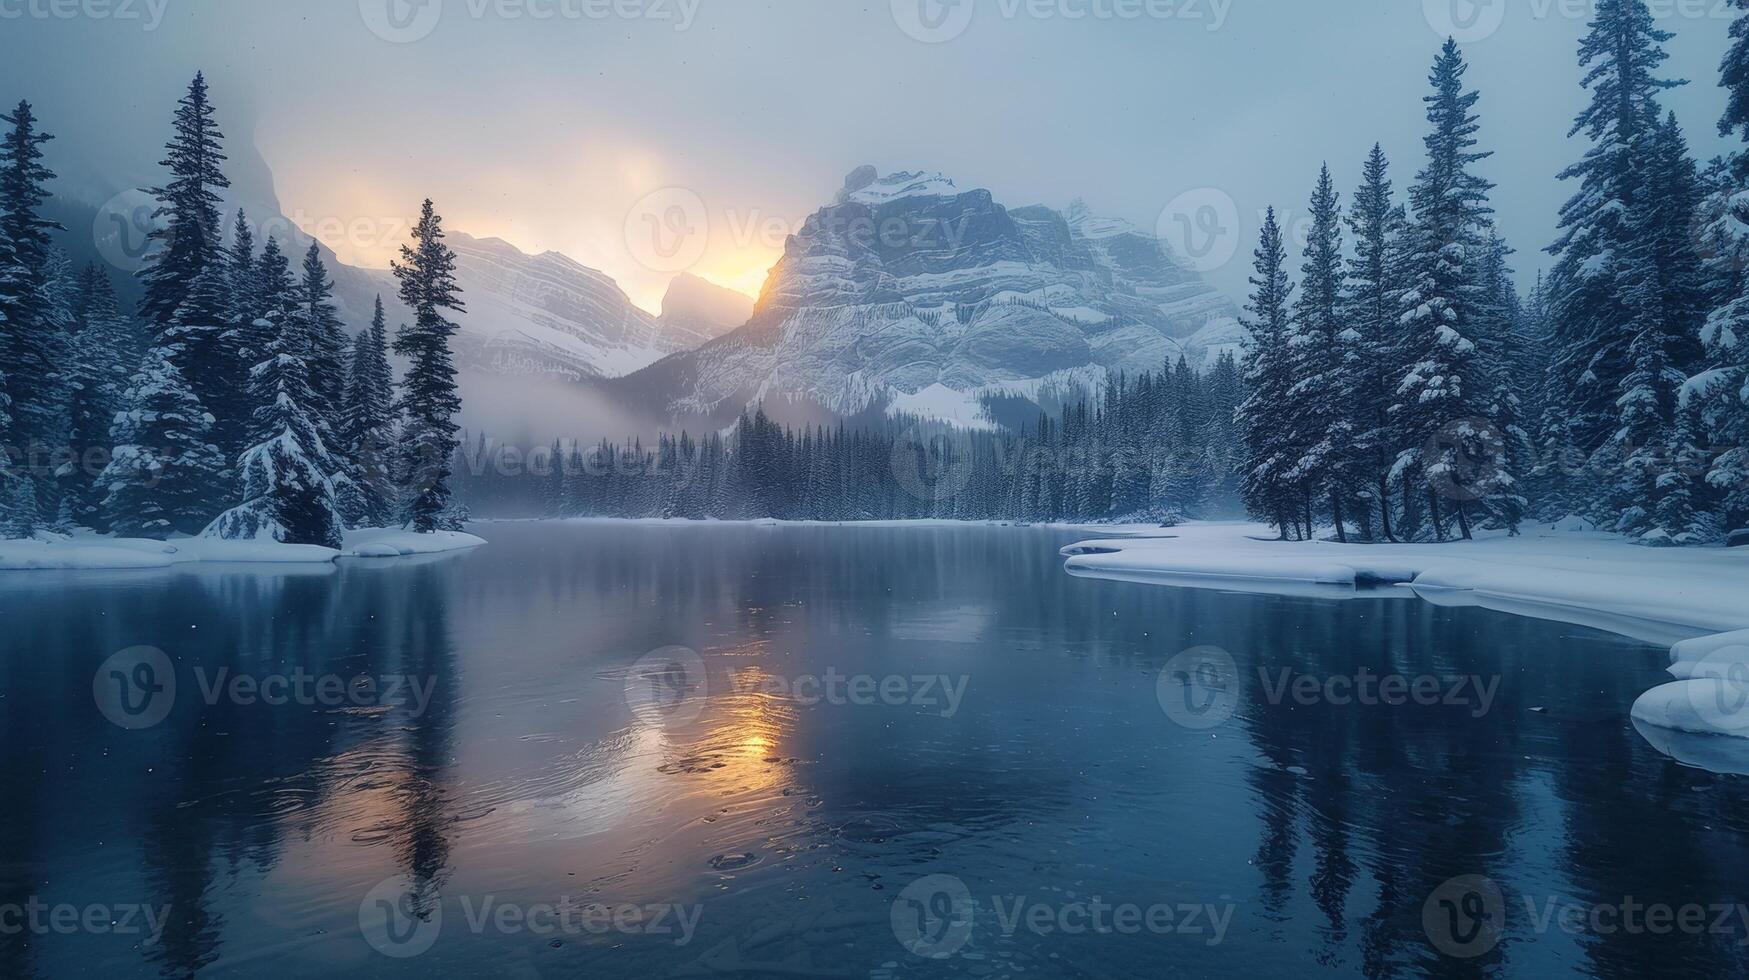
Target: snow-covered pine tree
x,y
429,400
188,239
1498,315
1447,444
18,515
1588,285
285,475
164,466
187,300
1659,274
1370,310
1266,486
1322,419
32,334
368,434
1720,392
327,336
103,357
244,334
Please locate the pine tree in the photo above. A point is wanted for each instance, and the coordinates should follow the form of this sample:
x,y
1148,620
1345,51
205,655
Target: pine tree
x,y
1370,310
429,400
103,358
368,434
1323,426
32,329
1267,486
1588,286
327,338
188,241
1447,443
1498,337
287,490
160,476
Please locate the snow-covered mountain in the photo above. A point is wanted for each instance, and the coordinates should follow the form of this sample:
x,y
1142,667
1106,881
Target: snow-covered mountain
x,y
911,295
549,315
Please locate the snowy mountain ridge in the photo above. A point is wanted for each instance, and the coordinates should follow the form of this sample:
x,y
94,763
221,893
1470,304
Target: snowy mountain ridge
x,y
911,295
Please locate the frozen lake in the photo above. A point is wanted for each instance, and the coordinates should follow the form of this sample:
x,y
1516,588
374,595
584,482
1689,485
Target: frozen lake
x,y
614,750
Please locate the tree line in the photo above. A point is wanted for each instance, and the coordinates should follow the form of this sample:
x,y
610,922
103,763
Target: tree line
x,y
1407,392
1160,446
234,404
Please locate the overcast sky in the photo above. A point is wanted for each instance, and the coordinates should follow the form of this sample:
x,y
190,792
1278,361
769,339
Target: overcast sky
x,y
547,122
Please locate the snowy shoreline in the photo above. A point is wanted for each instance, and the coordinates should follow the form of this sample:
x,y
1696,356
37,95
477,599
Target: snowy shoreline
x,y
97,552
1696,600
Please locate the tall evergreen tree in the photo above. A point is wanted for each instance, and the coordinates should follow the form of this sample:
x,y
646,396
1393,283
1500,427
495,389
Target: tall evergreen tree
x,y
188,239
327,339
1267,484
429,400
1588,286
368,435
1323,422
1447,443
32,329
1370,309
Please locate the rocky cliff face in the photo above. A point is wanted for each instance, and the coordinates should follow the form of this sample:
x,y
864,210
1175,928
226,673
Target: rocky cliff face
x,y
909,294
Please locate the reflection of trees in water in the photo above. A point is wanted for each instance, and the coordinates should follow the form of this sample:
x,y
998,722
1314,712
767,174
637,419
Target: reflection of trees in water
x,y
211,792
1415,795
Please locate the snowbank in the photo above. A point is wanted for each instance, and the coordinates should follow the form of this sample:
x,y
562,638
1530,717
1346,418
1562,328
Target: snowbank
x,y
380,542
1568,573
1658,595
90,551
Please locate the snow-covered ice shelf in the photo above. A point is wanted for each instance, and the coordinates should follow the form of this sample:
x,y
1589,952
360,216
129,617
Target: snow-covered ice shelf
x,y
1699,597
56,552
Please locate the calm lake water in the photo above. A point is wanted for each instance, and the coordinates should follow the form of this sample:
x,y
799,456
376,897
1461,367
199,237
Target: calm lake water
x,y
892,744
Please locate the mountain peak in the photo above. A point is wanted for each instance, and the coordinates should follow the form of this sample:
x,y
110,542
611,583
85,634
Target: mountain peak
x,y
866,186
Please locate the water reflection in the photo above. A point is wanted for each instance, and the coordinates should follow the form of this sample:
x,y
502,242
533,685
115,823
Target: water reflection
x,y
793,822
